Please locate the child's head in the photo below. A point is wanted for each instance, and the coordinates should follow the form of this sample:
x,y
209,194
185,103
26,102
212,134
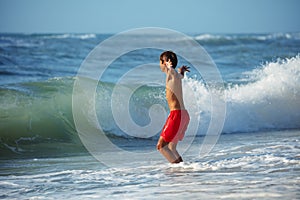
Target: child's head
x,y
169,56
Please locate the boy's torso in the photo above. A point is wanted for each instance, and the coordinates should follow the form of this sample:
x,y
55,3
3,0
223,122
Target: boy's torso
x,y
174,91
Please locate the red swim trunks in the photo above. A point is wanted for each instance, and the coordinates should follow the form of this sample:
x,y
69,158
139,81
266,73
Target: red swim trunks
x,y
175,126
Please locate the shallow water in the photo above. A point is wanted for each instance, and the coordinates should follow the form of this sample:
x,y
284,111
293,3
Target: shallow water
x,y
253,166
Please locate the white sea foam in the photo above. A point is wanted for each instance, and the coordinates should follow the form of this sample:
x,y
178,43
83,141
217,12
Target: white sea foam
x,y
265,170
68,35
209,37
254,37
270,100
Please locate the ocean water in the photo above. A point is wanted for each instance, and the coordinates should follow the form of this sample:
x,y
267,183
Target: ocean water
x,y
257,155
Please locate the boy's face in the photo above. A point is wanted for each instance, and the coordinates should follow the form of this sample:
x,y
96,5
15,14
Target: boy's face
x,y
162,65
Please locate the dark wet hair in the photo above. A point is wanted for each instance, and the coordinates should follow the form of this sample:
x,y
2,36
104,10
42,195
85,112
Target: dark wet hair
x,y
169,55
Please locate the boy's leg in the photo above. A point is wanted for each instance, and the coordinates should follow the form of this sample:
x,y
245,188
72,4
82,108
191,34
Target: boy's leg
x,y
172,146
164,149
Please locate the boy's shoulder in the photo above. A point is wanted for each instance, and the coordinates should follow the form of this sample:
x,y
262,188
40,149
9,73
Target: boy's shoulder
x,y
172,71
173,74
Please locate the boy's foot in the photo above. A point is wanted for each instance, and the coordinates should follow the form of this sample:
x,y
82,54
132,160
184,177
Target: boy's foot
x,y
178,160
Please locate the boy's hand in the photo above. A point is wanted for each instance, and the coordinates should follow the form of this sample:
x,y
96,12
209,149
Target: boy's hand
x,y
169,64
183,69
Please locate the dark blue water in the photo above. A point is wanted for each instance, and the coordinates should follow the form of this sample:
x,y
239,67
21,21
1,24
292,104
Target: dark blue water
x,y
37,57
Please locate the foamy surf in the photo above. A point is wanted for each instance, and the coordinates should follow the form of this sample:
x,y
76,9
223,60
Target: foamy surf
x,y
268,101
258,165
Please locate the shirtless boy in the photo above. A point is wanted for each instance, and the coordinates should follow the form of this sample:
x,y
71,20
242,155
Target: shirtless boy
x,y
178,119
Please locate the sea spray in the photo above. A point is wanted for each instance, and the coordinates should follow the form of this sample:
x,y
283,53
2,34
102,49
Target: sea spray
x,y
269,101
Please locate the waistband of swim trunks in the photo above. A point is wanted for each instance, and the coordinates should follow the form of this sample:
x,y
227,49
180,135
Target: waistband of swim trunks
x,y
183,110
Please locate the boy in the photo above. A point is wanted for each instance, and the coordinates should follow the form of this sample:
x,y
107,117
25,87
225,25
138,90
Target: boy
x,y
178,119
